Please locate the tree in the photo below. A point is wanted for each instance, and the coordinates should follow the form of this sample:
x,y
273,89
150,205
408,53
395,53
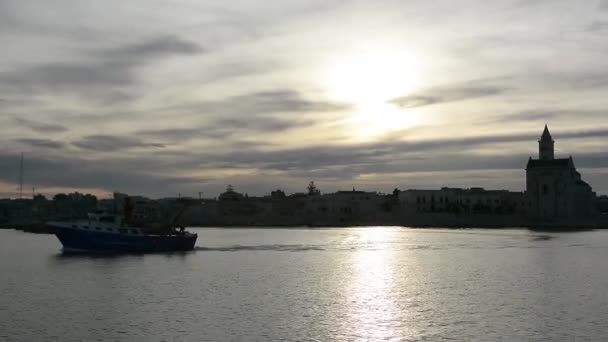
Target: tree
x,y
312,189
60,197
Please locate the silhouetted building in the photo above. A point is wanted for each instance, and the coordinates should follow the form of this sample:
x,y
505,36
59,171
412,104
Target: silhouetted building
x,y
344,207
230,195
462,201
602,204
554,188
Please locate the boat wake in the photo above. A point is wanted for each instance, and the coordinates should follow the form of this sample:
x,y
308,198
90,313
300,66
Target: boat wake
x,y
276,247
306,248
542,238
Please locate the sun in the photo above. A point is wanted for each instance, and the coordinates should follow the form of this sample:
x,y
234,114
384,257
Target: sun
x,y
370,79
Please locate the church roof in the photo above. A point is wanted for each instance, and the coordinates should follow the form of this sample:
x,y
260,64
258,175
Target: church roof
x,y
546,135
554,163
582,182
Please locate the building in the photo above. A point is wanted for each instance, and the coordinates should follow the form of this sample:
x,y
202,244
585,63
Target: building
x,y
602,204
461,201
235,208
554,188
345,207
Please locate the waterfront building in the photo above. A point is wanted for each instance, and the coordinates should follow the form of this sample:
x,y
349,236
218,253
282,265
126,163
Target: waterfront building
x,y
235,208
554,188
345,206
420,200
106,205
462,201
602,204
230,195
290,209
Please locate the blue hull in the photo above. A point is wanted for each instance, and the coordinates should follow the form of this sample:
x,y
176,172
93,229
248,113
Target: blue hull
x,y
93,241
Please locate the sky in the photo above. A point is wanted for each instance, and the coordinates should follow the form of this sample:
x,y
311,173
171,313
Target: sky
x,y
167,98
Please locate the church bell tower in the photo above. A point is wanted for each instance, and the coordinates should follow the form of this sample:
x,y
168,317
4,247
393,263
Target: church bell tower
x,y
546,146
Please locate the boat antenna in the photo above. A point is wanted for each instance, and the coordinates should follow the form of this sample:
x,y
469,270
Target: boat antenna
x,y
21,177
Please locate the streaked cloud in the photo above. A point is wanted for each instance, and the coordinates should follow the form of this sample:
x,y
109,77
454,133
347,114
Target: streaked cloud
x,y
109,143
43,143
41,127
451,93
98,74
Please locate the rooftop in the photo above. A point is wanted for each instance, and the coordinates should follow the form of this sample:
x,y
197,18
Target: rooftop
x,y
563,162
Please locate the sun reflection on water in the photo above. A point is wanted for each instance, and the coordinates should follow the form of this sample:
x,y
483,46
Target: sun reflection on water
x,y
373,290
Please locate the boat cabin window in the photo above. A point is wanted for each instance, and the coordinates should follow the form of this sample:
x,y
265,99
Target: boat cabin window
x,y
134,231
109,229
122,231
106,219
85,227
74,226
97,228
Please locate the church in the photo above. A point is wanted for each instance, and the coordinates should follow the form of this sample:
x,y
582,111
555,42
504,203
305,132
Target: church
x,y
554,188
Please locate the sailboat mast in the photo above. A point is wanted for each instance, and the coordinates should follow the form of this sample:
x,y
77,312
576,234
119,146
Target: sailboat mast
x,y
21,177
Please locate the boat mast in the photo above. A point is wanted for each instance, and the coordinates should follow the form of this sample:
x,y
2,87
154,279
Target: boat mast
x,y
21,177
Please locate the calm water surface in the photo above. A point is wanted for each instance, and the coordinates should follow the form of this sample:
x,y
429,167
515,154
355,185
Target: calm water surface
x,y
360,284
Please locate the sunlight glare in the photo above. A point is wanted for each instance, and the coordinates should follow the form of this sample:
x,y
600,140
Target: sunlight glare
x,y
369,80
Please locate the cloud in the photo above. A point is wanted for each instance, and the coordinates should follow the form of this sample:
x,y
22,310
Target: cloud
x,y
526,116
151,49
427,155
172,133
255,113
533,82
259,124
41,127
105,73
451,93
110,143
42,143
578,81
268,102
591,133
597,26
263,112
67,76
278,101
547,115
111,174
225,70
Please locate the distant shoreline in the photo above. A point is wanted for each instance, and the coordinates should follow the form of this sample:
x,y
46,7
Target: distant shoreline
x,y
43,229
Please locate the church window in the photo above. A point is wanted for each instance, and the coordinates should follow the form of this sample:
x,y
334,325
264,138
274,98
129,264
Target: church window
x,y
545,189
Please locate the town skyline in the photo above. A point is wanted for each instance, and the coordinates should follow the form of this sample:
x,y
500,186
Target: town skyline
x,y
163,98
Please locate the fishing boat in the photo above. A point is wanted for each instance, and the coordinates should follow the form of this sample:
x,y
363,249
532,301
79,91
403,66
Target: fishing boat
x,y
104,232
108,233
